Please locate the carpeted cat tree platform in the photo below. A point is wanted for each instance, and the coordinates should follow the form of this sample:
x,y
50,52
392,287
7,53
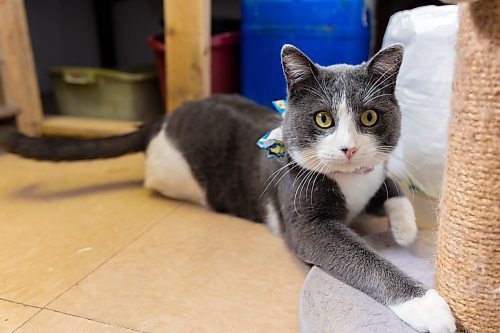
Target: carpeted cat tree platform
x,y
331,306
467,264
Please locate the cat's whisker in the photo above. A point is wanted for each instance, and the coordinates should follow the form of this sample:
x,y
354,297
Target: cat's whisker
x,y
323,165
308,181
386,190
295,196
282,168
303,184
411,182
316,93
305,176
287,172
306,157
327,96
375,92
297,177
310,177
300,187
320,94
375,97
376,84
277,174
403,182
311,158
424,181
397,187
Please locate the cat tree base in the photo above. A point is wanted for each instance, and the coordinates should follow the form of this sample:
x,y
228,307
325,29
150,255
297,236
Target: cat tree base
x,y
329,305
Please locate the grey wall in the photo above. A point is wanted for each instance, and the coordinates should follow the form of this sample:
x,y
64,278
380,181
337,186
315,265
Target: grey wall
x,y
134,20
226,9
64,32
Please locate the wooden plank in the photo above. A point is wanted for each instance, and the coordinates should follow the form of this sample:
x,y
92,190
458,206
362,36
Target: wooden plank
x,y
17,68
187,56
85,127
8,112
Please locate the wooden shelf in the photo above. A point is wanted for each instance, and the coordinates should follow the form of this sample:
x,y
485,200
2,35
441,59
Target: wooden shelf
x,y
187,33
80,127
7,112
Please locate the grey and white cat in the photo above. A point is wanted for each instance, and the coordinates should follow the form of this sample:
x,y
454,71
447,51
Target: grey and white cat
x,y
341,124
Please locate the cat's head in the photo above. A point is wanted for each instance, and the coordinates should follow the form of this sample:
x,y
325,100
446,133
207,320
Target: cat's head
x,y
341,118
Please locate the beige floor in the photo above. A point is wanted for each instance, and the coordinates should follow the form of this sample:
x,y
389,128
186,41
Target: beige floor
x,y
84,248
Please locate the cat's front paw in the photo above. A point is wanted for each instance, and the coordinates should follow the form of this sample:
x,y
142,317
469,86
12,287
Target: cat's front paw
x,y
402,219
428,313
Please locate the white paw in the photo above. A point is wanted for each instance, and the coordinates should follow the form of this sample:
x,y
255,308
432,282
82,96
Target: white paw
x,y
429,313
402,219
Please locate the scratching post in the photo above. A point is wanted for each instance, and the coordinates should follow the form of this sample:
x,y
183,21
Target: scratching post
x,y
468,249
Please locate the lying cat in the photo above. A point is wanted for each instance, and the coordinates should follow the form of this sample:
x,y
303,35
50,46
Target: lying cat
x,y
341,124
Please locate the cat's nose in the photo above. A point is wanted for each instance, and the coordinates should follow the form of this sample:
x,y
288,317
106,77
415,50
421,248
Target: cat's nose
x,y
349,152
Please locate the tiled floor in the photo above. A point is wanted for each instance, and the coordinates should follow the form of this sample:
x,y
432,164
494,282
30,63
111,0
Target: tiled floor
x,y
84,248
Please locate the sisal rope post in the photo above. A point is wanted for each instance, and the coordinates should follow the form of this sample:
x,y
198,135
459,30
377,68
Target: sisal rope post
x,y
468,245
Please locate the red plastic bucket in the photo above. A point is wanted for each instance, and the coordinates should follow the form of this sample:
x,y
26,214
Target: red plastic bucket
x,y
225,61
156,44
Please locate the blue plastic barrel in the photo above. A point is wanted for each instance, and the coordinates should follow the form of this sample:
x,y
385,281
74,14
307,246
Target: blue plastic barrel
x,y
328,31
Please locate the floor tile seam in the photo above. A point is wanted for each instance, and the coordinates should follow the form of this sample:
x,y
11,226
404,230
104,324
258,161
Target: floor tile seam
x,y
124,247
94,320
27,320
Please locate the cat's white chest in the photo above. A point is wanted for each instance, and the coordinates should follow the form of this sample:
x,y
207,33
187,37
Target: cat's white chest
x,y
358,189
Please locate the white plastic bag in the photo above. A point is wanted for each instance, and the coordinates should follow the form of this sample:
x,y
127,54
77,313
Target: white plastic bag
x,y
423,90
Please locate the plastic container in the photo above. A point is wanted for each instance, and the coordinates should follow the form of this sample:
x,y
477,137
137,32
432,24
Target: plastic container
x,y
329,31
157,45
225,61
103,93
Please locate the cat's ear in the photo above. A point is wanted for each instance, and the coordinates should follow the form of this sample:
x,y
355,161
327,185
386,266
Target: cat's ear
x,y
296,66
386,63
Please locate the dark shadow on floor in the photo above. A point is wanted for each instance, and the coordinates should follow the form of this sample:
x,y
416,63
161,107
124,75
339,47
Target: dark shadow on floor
x,y
37,193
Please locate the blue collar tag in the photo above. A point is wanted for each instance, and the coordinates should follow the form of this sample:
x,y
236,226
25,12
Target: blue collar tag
x,y
272,141
280,106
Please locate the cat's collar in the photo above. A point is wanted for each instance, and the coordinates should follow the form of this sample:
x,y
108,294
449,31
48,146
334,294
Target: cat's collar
x,y
272,141
358,171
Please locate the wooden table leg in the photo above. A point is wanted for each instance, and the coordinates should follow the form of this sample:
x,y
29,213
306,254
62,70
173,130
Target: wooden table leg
x,y
17,68
187,56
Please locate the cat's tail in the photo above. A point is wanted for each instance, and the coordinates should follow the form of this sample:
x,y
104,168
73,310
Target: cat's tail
x,y
69,149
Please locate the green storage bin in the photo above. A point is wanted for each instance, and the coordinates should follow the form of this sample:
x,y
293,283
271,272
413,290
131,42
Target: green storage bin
x,y
104,93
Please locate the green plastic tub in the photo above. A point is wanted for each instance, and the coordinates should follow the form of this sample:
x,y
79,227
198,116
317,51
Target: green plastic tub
x,y
104,93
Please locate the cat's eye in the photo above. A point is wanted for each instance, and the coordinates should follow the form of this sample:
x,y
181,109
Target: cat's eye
x,y
324,119
369,118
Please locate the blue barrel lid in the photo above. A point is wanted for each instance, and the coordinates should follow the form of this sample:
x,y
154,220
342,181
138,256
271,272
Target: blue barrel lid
x,y
325,15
